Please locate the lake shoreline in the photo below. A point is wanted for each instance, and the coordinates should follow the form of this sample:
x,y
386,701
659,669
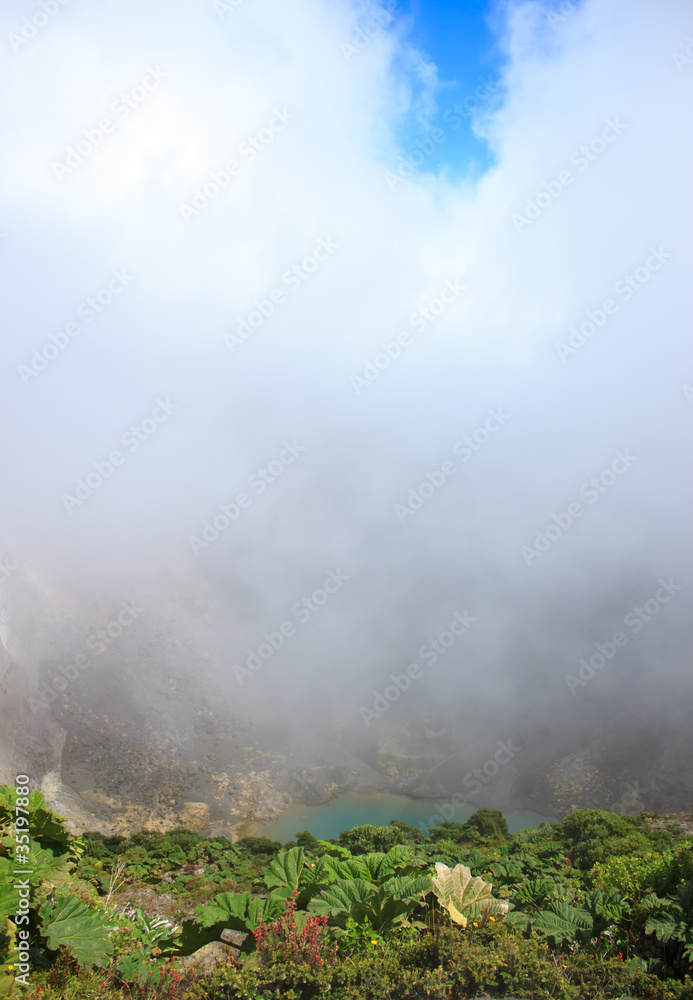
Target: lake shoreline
x,y
356,808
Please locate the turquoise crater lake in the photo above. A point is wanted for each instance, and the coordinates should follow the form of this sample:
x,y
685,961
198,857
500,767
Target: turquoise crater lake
x,y
356,808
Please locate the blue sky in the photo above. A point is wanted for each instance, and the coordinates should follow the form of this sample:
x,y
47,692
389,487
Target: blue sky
x,y
458,38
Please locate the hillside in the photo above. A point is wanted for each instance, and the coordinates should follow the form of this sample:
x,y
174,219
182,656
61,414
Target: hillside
x,y
596,907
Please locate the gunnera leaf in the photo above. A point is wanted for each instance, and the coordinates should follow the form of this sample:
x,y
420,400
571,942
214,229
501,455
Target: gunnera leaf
x,y
463,895
71,924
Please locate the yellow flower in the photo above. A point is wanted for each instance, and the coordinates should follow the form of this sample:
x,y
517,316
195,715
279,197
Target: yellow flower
x,y
374,942
493,919
475,924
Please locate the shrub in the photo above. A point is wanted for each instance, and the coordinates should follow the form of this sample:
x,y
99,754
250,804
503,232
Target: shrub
x,y
100,847
259,845
447,830
367,838
487,823
304,839
637,874
292,942
595,835
411,834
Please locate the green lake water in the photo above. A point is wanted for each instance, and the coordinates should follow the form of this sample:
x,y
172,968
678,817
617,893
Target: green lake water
x,y
356,808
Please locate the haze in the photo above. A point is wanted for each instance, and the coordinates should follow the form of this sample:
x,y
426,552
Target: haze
x,y
299,363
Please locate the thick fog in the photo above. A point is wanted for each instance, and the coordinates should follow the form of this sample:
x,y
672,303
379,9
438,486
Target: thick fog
x,y
257,351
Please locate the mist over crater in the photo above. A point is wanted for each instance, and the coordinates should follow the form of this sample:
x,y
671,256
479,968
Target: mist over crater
x,y
333,483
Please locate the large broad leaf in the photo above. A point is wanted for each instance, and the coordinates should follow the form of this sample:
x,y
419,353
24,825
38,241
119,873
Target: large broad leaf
x,y
653,902
463,895
7,956
508,870
599,901
517,919
342,897
401,860
322,870
382,908
314,877
399,856
397,860
605,908
236,911
563,922
7,794
535,892
9,896
363,901
46,870
44,825
192,936
47,827
376,866
672,917
663,926
71,924
333,869
477,858
684,895
349,868
44,866
333,850
405,887
552,847
393,900
50,870
285,869
239,911
292,870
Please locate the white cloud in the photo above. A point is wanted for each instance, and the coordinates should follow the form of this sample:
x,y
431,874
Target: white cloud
x,y
323,175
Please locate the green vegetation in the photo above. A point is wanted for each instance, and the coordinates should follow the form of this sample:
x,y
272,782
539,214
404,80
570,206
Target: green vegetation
x,y
599,906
